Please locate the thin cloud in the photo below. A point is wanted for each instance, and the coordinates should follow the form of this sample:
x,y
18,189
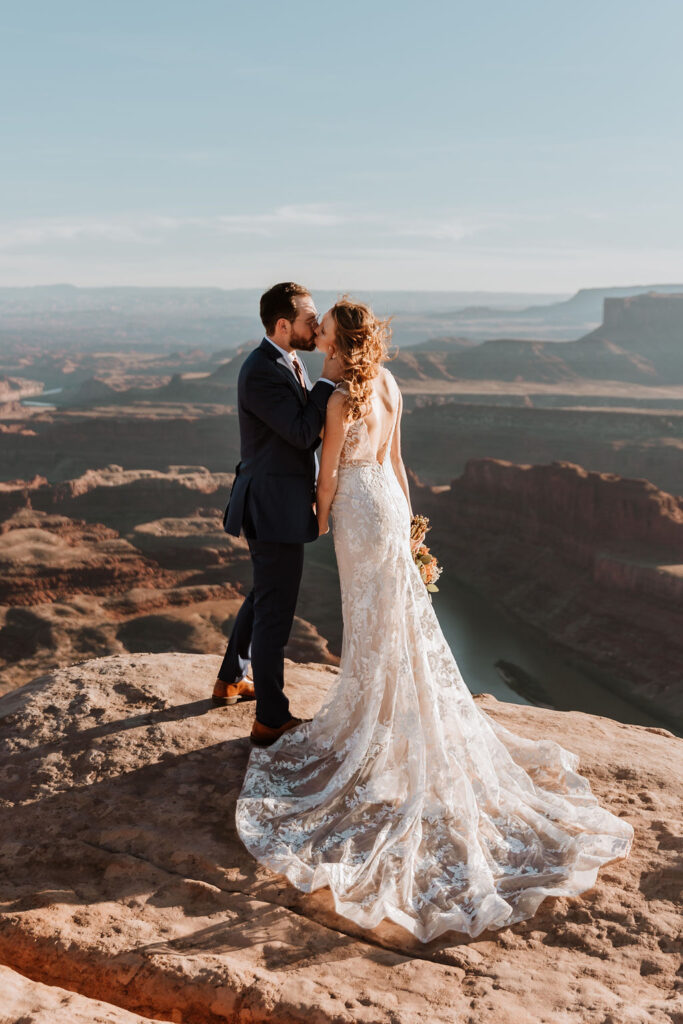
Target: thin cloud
x,y
155,228
307,215
42,232
307,224
440,230
310,215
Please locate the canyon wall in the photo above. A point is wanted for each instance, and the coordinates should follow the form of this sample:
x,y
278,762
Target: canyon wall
x,y
650,328
626,443
125,560
592,560
638,317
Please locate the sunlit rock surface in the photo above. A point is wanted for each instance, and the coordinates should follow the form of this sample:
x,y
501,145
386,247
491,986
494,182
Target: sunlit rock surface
x,y
123,879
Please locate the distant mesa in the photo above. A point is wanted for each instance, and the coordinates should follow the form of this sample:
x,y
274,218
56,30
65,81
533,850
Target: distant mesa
x,y
549,320
639,341
649,326
215,319
557,343
591,301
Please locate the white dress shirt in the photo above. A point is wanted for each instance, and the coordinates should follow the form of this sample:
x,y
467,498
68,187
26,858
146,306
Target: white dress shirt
x,y
286,358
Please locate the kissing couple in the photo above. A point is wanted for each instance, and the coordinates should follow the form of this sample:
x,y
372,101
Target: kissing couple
x,y
400,795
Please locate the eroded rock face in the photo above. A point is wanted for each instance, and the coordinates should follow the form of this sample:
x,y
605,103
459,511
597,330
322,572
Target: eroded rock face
x,y
72,589
566,502
64,446
123,878
593,560
49,557
14,388
118,496
651,324
29,1002
628,443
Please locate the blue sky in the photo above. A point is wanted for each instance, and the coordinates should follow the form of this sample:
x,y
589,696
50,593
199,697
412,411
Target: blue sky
x,y
505,146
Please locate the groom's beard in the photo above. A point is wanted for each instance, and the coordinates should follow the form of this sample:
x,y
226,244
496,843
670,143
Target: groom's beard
x,y
297,341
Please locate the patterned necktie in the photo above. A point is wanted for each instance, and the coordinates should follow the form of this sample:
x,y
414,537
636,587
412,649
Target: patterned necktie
x,y
298,371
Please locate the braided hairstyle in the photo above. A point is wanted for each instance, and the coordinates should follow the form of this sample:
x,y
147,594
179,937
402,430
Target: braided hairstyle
x,y
362,341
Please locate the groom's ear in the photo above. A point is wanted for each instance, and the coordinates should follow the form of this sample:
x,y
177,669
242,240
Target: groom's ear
x,y
283,327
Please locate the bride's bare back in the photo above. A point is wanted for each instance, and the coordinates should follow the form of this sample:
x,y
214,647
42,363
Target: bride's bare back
x,y
369,438
381,419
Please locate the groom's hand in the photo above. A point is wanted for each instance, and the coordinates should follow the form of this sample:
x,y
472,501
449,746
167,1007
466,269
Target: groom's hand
x,y
332,369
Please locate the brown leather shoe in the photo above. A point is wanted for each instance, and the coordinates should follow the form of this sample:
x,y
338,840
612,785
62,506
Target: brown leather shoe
x,y
263,735
233,692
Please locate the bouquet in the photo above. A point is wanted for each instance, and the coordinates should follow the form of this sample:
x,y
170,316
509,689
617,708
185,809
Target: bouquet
x,y
430,570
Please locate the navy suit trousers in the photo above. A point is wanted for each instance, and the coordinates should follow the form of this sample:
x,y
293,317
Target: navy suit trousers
x,y
262,627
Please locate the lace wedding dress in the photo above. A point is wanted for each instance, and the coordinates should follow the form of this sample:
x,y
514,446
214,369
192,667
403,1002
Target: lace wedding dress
x,y
401,795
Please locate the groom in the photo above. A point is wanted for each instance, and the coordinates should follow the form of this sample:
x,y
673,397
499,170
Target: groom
x,y
280,419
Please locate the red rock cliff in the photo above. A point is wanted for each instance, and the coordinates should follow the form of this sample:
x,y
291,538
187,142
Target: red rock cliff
x,y
593,560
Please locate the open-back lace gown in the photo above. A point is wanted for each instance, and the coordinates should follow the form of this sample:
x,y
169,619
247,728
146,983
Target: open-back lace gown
x,y
401,795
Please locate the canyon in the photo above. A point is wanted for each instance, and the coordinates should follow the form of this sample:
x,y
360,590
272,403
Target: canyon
x,y
591,560
96,565
60,444
111,499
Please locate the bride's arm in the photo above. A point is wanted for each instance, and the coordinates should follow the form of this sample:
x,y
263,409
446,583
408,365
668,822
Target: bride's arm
x,y
333,442
396,460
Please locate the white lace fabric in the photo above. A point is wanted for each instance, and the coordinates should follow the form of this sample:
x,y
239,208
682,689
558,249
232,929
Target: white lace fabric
x,y
401,795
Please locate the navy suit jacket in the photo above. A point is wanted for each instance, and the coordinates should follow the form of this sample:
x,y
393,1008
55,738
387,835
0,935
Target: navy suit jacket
x,y
280,426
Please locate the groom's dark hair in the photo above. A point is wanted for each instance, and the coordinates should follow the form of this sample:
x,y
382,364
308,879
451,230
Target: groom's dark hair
x,y
278,303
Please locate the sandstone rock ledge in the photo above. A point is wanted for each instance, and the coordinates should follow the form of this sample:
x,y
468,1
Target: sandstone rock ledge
x,y
125,893
29,1002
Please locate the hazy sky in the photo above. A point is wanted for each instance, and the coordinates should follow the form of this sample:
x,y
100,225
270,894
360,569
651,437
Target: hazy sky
x,y
496,145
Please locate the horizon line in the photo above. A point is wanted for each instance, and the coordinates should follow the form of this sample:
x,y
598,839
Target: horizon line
x,y
420,291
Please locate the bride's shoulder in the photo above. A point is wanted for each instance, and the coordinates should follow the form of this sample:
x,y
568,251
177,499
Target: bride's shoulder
x,y
390,380
338,398
336,404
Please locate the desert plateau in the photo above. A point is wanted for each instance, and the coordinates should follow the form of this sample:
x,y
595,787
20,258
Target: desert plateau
x,y
543,435
118,452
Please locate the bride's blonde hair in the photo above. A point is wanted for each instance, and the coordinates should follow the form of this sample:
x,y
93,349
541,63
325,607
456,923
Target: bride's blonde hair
x,y
362,341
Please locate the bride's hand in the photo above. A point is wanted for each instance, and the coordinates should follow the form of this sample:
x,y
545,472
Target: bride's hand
x,y
417,542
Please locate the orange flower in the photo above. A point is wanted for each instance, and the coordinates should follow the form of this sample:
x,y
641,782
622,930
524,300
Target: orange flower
x,y
430,570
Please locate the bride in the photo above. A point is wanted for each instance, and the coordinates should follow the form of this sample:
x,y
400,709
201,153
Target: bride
x,y
401,795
